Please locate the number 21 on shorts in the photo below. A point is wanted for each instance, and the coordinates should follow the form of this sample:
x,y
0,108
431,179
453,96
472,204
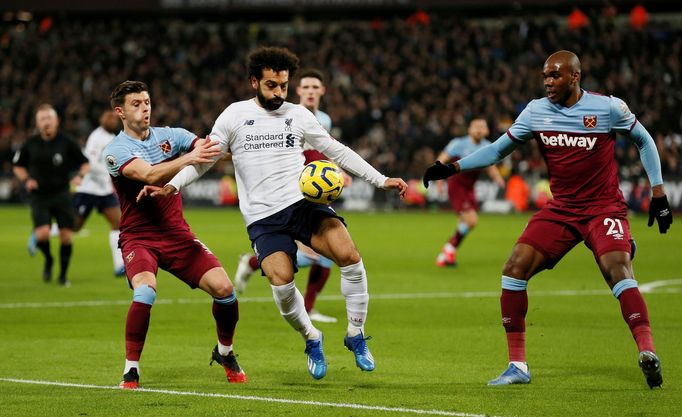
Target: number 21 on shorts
x,y
615,228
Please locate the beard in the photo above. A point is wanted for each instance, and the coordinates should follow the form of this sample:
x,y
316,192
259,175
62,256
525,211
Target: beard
x,y
269,104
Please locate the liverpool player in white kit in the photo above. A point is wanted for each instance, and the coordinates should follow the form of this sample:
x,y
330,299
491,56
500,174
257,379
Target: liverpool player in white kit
x,y
576,131
96,189
265,136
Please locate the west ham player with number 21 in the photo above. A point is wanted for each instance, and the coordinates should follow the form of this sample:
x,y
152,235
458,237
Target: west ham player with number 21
x,y
576,131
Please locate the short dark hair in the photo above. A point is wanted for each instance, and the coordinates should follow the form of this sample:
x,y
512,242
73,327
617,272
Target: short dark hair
x,y
118,96
312,73
271,57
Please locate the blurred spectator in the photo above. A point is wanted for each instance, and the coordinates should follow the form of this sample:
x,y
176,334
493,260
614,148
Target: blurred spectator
x,y
639,17
397,87
577,19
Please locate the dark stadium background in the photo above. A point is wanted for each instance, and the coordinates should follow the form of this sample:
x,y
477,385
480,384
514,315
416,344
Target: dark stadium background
x,y
404,76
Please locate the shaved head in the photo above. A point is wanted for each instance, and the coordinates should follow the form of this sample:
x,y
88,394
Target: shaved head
x,y
562,78
564,59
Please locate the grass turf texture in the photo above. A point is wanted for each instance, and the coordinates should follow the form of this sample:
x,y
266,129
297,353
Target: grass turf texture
x,y
433,352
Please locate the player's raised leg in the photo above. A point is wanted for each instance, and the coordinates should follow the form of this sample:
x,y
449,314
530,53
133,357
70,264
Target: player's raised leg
x,y
226,314
246,266
333,240
137,325
617,270
279,269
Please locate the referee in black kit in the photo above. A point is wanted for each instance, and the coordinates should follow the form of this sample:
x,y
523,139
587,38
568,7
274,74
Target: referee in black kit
x,y
46,164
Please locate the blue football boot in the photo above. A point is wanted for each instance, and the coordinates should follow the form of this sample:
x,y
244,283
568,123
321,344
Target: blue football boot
x,y
512,375
317,365
651,367
32,245
363,357
120,272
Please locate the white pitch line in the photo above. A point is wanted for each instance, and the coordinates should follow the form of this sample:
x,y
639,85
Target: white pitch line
x,y
255,398
650,287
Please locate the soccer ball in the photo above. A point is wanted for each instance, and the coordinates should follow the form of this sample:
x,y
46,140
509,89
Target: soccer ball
x,y
321,182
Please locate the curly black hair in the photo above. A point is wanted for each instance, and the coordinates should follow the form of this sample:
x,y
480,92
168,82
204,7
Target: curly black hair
x,y
273,58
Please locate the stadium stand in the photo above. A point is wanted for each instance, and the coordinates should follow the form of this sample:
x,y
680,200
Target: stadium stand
x,y
399,88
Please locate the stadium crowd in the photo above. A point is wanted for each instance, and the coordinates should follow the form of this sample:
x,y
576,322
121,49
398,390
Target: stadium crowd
x,y
398,89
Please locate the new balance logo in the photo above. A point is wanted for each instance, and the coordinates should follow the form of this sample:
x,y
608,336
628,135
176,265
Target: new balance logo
x,y
249,122
563,139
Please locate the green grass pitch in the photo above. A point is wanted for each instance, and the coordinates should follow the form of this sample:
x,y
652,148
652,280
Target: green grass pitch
x,y
436,332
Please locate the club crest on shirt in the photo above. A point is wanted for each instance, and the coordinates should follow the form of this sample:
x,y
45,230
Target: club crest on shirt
x,y
130,257
590,122
287,124
165,146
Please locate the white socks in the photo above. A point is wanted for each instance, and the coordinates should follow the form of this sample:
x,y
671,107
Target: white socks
x,y
448,248
521,365
115,251
131,364
292,307
354,288
224,350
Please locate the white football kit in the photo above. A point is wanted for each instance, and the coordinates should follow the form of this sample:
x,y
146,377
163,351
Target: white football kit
x,y
97,180
267,152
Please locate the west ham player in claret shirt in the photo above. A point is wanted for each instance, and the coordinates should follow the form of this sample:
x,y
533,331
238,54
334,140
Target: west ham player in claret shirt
x,y
576,131
265,136
461,188
154,234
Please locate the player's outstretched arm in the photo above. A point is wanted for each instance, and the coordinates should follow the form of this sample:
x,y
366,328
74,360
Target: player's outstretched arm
x,y
484,157
439,171
205,151
396,183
